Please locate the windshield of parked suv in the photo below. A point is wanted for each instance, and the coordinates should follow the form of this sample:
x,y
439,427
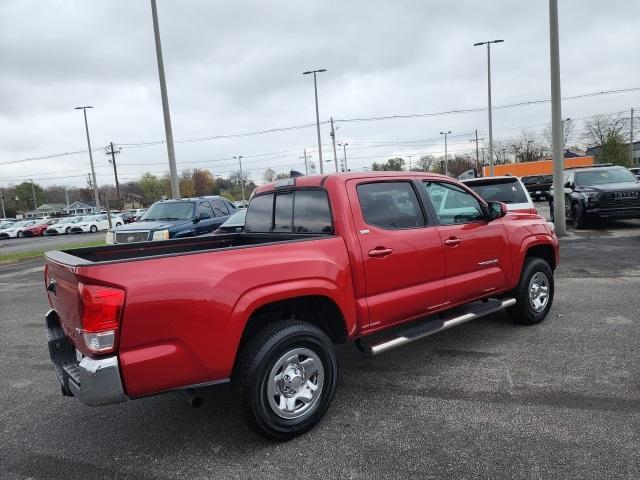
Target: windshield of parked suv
x,y
500,191
605,175
169,211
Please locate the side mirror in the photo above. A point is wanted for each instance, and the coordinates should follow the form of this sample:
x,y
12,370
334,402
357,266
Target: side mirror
x,y
497,210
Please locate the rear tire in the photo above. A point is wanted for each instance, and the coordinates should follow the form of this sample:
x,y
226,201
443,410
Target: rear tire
x,y
286,376
93,229
67,230
534,293
20,234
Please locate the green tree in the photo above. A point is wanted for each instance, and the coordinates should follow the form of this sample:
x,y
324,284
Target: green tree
x,y
610,133
23,196
152,187
395,164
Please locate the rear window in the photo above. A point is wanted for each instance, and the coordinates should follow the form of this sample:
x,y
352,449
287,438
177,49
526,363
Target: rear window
x,y
507,192
532,180
301,211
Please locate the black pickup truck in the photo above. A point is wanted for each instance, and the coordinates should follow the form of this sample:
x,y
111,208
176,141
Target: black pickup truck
x,y
597,193
538,186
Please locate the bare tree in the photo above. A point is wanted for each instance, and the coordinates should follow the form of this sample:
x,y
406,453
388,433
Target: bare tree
x,y
568,133
269,175
527,148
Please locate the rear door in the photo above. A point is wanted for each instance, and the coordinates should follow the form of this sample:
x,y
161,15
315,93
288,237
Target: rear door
x,y
401,250
477,252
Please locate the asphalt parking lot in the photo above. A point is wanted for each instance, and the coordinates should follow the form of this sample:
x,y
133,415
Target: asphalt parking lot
x,y
488,399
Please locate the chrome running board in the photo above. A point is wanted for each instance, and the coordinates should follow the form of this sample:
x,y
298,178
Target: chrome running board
x,y
436,325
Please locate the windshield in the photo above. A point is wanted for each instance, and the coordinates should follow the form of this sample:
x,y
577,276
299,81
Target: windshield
x,y
237,219
507,192
169,211
5,224
605,175
24,223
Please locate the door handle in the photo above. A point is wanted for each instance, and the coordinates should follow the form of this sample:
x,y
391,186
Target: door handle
x,y
452,242
380,252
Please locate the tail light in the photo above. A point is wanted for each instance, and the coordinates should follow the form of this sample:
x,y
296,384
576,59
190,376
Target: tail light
x,y
101,312
533,210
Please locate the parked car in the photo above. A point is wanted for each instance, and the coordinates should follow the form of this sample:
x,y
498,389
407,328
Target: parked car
x,y
137,214
324,259
596,193
127,217
15,230
538,186
234,224
636,172
509,190
6,223
169,219
95,223
64,225
39,228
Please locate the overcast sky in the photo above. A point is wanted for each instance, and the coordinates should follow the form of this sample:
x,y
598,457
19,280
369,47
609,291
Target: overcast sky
x,y
236,67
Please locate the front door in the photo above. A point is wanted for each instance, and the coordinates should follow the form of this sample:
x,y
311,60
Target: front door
x,y
477,253
402,253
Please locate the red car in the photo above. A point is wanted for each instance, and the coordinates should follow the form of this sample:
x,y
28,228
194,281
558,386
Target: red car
x,y
39,228
377,259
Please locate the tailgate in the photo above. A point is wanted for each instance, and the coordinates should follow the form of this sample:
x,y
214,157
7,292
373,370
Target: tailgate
x,y
62,289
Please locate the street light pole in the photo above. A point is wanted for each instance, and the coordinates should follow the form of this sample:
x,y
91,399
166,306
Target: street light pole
x,y
556,122
344,150
93,170
173,172
446,157
315,89
488,44
239,158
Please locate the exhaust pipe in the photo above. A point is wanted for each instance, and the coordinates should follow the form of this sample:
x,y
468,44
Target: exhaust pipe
x,y
193,398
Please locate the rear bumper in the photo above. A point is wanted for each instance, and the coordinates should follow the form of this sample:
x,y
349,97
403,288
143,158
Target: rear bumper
x,y
95,382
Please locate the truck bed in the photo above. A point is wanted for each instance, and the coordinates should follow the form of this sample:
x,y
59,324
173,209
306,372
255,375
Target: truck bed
x,y
187,246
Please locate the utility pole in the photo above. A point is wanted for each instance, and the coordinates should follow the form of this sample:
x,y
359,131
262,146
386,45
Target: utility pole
x,y
446,157
305,156
112,152
409,157
33,190
344,149
66,196
173,172
477,151
488,44
4,215
556,122
106,201
631,139
333,140
239,158
315,89
93,170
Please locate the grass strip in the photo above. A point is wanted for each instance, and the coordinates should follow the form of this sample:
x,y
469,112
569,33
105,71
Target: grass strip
x,y
14,257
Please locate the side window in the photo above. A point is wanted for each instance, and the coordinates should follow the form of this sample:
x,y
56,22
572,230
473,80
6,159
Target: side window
x,y
283,213
259,214
219,208
205,208
390,205
453,204
311,212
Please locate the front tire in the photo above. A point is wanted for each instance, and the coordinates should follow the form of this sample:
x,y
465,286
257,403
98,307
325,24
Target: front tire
x,y
286,376
93,229
67,230
20,234
534,293
578,215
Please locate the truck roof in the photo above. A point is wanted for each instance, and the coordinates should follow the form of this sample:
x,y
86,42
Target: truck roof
x,y
321,180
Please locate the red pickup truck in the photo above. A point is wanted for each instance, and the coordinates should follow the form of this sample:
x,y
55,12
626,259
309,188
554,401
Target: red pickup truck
x,y
379,260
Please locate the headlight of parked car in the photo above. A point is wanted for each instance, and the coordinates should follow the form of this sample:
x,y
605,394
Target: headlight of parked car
x,y
161,235
590,196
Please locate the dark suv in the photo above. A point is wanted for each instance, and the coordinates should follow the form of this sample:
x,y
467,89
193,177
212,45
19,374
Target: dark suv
x,y
167,219
605,192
